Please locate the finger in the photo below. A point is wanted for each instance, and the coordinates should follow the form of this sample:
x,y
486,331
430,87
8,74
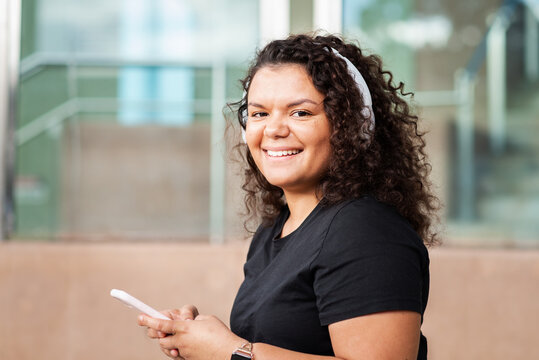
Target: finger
x,y
172,353
193,310
155,334
169,343
187,312
171,313
152,334
165,326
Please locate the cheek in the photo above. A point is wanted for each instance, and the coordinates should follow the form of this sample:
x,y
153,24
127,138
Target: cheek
x,y
325,157
324,152
252,137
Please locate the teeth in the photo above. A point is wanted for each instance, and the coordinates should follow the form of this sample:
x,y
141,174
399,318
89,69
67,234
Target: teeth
x,y
282,153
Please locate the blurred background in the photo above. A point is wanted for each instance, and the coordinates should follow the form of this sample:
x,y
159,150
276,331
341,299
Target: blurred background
x,y
116,170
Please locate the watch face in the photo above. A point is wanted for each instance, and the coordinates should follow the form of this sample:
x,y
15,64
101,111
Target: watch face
x,y
239,357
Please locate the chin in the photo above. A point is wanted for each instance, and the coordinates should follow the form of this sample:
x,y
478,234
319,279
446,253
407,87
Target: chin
x,y
279,183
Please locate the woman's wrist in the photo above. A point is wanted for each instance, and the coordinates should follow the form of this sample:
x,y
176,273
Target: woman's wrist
x,y
243,349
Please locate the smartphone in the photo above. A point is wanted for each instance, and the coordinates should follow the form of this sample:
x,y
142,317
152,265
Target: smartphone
x,y
133,302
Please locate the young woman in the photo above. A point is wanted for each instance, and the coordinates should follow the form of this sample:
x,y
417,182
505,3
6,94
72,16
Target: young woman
x,y
337,173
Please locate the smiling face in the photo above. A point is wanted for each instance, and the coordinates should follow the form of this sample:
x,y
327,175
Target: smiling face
x,y
287,128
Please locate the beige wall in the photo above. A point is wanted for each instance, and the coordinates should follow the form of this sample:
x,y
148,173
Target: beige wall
x,y
54,301
483,305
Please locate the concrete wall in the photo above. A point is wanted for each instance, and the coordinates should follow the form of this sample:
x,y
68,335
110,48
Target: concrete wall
x,y
54,301
135,180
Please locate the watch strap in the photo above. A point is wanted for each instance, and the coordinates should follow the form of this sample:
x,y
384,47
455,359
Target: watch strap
x,y
244,352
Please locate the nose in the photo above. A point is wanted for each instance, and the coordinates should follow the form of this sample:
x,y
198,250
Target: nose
x,y
276,126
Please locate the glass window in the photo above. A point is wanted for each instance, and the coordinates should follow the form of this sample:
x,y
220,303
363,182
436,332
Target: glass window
x,y
473,66
116,107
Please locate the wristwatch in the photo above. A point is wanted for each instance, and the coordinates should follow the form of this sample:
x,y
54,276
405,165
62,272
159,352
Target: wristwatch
x,y
243,352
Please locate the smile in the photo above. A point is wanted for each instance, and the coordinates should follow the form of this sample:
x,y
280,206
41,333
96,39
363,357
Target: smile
x,y
282,153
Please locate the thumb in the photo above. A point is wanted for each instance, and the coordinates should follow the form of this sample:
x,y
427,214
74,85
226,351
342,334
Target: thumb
x,y
187,312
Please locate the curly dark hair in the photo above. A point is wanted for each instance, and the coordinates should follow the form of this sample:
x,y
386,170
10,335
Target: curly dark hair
x,y
387,162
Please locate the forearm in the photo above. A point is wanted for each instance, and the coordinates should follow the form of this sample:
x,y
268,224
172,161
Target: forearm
x,y
263,351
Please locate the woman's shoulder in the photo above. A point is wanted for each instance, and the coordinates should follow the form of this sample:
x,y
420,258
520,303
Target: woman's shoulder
x,y
365,209
368,220
371,260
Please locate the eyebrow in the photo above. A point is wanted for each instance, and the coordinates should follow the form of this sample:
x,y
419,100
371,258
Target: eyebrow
x,y
292,104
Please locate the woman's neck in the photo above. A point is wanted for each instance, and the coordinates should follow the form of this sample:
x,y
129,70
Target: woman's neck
x,y
300,206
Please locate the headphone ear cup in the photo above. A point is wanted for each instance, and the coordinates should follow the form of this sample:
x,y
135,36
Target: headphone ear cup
x,y
244,124
244,117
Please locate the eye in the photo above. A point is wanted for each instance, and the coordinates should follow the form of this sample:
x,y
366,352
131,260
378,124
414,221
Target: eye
x,y
301,113
259,114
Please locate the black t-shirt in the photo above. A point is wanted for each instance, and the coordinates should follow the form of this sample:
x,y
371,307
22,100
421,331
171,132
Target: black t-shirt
x,y
355,258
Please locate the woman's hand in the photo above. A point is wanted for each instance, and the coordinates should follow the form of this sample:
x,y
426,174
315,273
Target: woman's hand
x,y
186,312
205,338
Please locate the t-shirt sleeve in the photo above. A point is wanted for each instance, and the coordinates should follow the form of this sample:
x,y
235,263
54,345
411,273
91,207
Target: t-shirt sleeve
x,y
371,261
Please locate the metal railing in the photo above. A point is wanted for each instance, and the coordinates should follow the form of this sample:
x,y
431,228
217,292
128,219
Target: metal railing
x,y
76,105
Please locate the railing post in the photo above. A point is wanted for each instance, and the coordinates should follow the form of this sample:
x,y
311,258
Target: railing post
x,y
464,86
496,84
10,36
327,15
274,20
217,163
531,46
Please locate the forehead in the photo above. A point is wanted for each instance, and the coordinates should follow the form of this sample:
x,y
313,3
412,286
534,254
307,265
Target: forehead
x,y
282,81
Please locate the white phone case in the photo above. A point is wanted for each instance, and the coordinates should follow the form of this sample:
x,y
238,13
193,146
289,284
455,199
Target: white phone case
x,y
133,302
